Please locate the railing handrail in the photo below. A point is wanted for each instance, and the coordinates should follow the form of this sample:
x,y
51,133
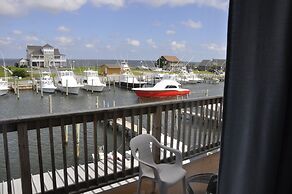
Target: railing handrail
x,y
21,119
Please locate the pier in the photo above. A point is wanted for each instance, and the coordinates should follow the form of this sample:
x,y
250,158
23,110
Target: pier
x,y
165,120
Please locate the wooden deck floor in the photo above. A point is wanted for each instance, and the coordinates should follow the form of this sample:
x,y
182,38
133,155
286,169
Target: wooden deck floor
x,y
197,165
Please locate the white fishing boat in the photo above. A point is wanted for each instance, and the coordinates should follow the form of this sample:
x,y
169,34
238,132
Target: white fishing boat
x,y
92,82
127,78
46,83
186,77
67,82
4,82
164,88
3,86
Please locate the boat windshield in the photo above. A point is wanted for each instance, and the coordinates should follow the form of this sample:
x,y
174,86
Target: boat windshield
x,y
66,73
171,86
91,74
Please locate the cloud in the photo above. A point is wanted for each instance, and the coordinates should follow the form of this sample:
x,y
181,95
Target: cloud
x,y
151,43
133,42
177,45
89,45
111,3
170,32
9,7
214,47
108,46
17,7
17,32
63,29
218,4
31,38
56,5
64,40
5,40
192,24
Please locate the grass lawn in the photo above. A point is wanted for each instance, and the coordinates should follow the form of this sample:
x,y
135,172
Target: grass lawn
x,y
202,72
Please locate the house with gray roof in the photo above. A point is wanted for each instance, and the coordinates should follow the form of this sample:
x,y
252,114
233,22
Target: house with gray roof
x,y
211,65
44,56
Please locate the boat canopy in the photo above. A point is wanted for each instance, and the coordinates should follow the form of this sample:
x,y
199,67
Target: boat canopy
x,y
66,73
90,73
167,84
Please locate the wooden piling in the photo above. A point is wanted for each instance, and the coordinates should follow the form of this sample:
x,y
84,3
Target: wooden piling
x,y
17,89
41,87
96,102
92,86
50,104
66,134
78,139
67,90
15,86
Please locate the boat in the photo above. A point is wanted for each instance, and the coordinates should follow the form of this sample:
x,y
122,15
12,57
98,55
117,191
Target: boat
x,y
186,77
164,88
127,78
3,87
46,83
92,82
4,82
66,82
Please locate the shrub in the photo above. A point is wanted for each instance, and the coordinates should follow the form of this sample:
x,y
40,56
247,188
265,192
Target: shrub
x,y
19,72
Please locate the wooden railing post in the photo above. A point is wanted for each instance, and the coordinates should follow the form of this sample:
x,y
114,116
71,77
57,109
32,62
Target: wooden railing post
x,y
156,132
24,158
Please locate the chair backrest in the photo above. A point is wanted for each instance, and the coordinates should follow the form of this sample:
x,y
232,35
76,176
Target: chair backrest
x,y
141,143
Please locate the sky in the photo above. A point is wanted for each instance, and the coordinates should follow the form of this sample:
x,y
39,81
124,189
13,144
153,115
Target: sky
x,y
192,30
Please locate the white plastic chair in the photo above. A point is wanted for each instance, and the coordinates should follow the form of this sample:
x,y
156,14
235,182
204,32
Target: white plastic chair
x,y
164,174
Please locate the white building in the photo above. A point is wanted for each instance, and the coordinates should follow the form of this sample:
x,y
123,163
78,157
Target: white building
x,y
44,56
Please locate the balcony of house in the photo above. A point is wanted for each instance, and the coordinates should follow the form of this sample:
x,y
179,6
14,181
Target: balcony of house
x,y
37,59
88,151
60,59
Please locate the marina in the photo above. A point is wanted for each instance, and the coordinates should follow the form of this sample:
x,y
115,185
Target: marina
x,y
63,165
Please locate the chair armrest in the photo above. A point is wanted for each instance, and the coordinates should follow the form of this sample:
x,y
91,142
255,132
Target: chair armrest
x,y
178,154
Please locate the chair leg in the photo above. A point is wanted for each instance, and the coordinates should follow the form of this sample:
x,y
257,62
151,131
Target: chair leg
x,y
162,189
139,185
184,185
153,188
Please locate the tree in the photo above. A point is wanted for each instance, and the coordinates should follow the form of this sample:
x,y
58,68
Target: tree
x,y
19,72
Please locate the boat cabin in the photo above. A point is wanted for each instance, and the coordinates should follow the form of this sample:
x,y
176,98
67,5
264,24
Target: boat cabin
x,y
66,73
90,73
167,84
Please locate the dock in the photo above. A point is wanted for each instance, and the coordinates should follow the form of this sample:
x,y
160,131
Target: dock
x,y
48,180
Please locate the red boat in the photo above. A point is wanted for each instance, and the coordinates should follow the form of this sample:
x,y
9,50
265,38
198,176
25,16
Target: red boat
x,y
164,88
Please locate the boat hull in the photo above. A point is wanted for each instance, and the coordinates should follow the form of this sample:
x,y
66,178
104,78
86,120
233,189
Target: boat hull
x,y
93,88
3,92
49,90
161,94
71,90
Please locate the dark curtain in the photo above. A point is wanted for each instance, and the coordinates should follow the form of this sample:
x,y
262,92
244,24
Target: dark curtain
x,y
256,155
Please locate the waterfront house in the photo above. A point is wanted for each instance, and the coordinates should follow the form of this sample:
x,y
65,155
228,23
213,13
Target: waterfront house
x,y
168,62
44,56
109,69
212,65
22,62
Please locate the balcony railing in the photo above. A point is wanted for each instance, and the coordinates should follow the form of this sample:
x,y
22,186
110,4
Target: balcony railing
x,y
191,125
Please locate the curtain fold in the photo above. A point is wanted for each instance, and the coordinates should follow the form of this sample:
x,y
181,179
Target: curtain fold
x,y
256,154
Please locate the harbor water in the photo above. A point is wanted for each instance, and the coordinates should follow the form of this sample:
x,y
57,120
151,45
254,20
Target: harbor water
x,y
30,103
